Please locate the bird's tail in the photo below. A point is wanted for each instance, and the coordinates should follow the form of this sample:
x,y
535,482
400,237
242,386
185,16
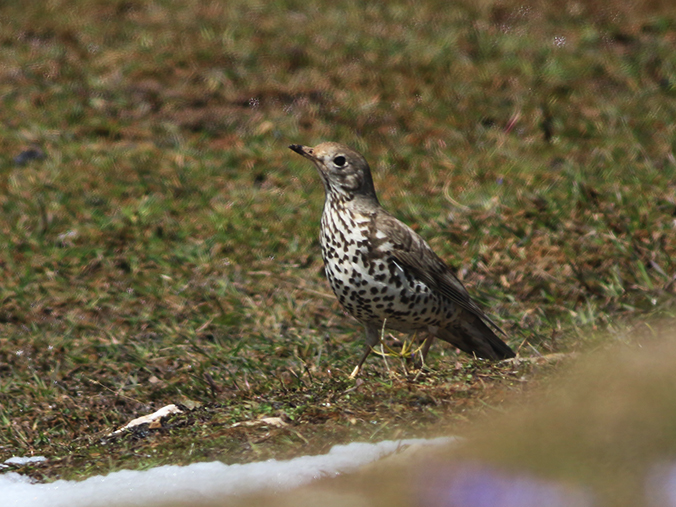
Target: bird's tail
x,y
470,334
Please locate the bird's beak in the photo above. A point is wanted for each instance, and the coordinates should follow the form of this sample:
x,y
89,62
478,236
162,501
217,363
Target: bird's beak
x,y
306,151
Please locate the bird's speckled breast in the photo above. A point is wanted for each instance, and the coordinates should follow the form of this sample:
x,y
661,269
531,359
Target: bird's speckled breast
x,y
368,281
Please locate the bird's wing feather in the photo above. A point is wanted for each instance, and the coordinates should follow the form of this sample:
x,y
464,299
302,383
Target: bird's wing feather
x,y
415,255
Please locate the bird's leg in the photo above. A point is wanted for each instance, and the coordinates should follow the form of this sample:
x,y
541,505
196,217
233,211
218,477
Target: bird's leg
x,y
426,348
357,368
419,362
381,340
372,338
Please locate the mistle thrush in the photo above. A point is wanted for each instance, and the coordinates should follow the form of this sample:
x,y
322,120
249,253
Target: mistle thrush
x,y
383,272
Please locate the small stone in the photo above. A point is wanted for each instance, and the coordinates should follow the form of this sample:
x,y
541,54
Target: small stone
x,y
30,154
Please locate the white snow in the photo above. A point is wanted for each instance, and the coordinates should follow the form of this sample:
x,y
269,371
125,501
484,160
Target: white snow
x,y
23,460
199,483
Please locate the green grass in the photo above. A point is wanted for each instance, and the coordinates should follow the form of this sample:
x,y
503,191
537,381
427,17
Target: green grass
x,y
165,250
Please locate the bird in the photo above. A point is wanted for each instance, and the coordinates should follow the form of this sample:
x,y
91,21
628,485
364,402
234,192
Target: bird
x,y
383,273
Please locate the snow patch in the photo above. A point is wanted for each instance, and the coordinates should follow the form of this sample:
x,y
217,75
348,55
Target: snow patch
x,y
199,483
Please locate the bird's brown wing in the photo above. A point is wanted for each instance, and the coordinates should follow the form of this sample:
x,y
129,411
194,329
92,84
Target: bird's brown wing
x,y
416,256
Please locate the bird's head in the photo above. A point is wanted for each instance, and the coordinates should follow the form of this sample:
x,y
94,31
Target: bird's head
x,y
344,171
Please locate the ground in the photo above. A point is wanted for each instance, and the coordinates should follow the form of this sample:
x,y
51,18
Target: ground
x,y
159,240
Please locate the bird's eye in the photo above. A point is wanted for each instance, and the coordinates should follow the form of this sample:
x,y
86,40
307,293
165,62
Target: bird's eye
x,y
339,161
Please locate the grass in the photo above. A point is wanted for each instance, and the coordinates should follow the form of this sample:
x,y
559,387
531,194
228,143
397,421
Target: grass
x,y
165,248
